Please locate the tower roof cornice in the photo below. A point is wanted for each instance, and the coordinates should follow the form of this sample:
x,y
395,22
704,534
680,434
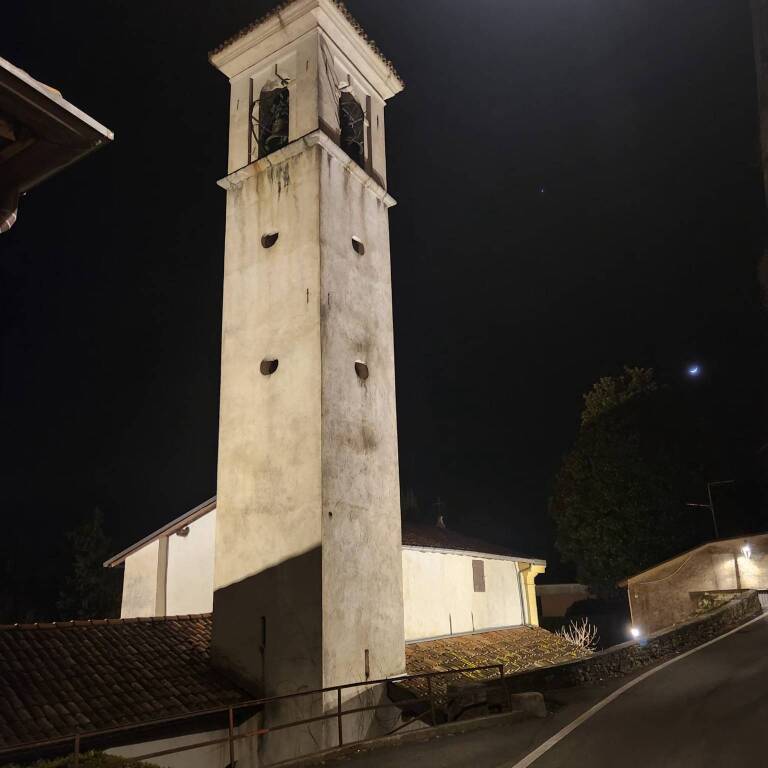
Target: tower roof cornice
x,y
227,56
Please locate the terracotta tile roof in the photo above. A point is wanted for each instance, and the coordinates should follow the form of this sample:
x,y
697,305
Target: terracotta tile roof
x,y
282,6
518,648
89,675
443,538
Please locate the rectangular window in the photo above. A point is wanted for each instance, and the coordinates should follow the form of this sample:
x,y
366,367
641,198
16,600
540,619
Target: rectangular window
x,y
478,575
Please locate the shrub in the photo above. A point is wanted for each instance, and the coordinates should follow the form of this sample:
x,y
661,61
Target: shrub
x,y
87,760
580,633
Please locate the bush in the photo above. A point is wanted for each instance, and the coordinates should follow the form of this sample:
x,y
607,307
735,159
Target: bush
x,y
87,760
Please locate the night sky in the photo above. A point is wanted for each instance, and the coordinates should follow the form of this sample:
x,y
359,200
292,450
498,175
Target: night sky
x,y
578,188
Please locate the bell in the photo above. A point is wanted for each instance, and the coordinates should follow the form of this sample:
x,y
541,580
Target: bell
x,y
277,136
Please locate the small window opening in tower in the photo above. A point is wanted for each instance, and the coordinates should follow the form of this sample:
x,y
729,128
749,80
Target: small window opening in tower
x,y
268,366
357,244
268,239
274,111
361,369
352,123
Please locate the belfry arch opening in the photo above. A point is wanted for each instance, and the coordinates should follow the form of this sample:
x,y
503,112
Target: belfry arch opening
x,y
352,128
274,114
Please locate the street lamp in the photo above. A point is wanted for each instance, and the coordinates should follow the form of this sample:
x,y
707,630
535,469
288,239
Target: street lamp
x,y
711,505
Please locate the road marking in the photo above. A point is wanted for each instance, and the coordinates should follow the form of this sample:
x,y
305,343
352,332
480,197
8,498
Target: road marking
x,y
531,757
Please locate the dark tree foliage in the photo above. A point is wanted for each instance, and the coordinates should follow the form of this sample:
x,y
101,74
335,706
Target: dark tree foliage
x,y
89,591
410,509
619,501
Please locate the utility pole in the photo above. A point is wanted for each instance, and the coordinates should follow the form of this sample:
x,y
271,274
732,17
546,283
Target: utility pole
x,y
711,505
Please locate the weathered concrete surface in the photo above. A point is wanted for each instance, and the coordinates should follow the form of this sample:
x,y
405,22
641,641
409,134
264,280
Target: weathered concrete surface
x,y
307,571
667,594
140,583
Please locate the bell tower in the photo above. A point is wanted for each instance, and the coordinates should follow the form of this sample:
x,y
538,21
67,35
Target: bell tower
x,y
308,570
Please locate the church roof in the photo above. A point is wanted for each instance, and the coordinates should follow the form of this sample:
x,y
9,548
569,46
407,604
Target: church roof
x,y
414,535
278,9
439,537
92,675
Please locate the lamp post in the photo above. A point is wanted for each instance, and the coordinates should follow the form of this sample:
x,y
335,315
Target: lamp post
x,y
711,505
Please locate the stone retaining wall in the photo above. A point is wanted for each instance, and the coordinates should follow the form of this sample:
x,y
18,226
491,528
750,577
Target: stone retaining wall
x,y
636,654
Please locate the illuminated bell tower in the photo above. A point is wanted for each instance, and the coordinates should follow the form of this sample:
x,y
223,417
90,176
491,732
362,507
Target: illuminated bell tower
x,y
308,570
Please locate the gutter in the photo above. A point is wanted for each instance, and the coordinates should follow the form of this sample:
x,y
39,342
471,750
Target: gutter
x,y
175,525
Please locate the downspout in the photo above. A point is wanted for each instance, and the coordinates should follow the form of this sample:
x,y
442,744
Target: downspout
x,y
523,606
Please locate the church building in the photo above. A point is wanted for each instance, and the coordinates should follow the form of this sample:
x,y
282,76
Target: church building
x,y
452,584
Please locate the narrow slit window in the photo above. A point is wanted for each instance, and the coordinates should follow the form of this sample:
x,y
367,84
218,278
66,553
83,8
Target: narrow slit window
x,y
478,575
358,246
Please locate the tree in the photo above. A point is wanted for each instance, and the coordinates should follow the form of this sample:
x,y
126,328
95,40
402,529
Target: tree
x,y
611,391
409,505
89,591
619,497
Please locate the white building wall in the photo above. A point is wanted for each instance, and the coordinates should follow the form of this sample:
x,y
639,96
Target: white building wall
x,y
439,596
140,583
438,587
189,583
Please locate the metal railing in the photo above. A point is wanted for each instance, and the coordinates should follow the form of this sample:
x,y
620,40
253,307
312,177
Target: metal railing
x,y
76,739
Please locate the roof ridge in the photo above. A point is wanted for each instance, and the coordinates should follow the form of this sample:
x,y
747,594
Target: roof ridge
x,y
106,622
338,4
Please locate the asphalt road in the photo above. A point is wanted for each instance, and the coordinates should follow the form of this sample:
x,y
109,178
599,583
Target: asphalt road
x,y
708,709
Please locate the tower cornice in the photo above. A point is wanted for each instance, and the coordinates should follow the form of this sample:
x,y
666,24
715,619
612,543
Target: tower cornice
x,y
316,138
289,21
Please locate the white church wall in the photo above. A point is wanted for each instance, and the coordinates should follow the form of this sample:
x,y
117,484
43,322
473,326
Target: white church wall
x,y
439,595
140,583
189,581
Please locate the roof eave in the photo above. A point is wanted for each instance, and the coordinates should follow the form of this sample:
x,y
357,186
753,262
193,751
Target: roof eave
x,y
474,553
630,579
230,57
167,530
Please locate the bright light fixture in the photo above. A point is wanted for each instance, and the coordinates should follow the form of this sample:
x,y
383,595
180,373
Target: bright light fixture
x,y
634,631
694,370
746,550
